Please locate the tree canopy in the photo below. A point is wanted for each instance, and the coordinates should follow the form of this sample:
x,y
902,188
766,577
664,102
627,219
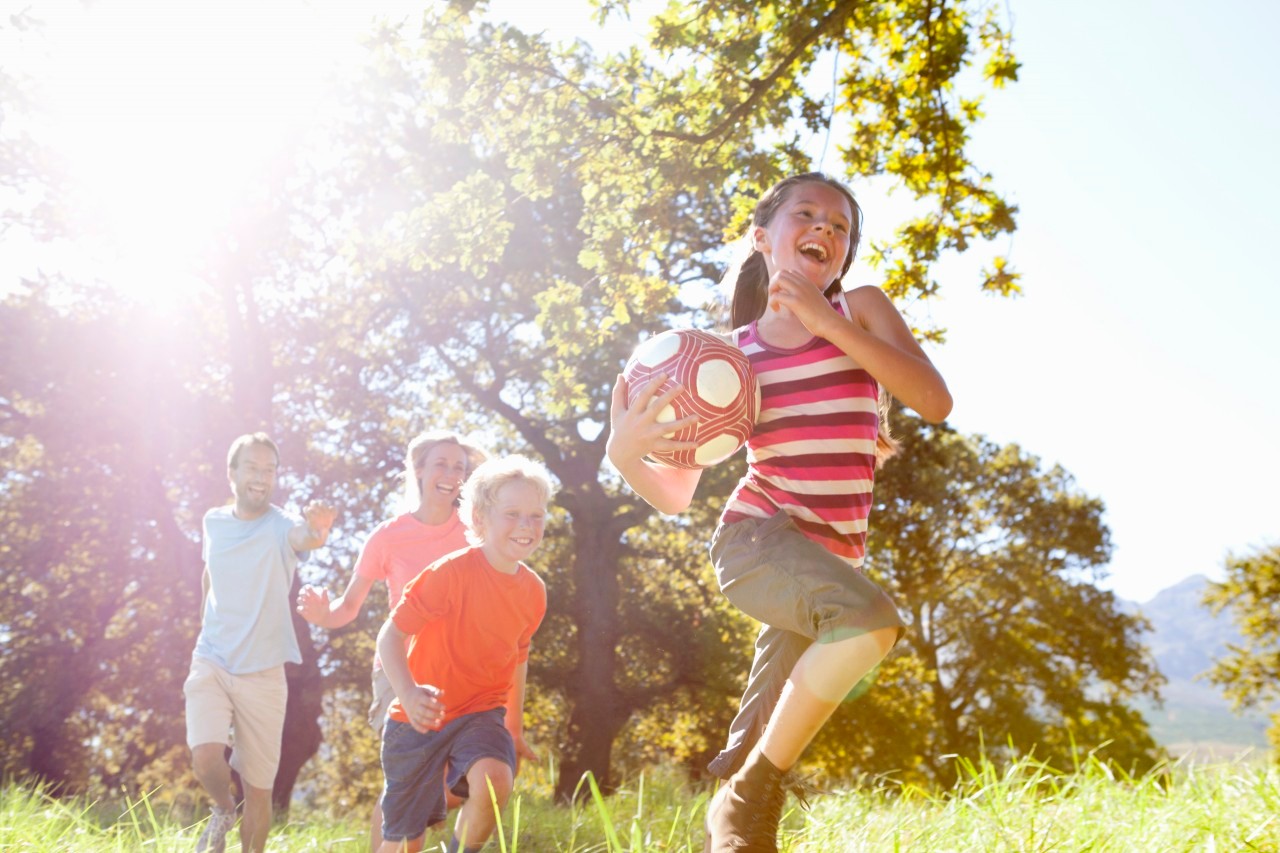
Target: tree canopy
x,y
1250,673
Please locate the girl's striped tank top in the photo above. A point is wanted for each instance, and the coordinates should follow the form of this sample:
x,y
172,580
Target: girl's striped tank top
x,y
813,451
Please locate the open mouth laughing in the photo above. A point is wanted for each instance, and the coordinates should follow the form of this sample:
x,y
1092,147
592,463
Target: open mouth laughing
x,y
816,251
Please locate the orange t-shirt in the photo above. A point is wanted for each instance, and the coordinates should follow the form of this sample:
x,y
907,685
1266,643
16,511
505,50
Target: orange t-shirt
x,y
469,627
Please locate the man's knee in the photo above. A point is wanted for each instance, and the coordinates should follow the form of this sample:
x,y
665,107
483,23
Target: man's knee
x,y
208,758
260,797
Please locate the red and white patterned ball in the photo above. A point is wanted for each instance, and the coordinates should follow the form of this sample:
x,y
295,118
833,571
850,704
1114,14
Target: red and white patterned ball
x,y
719,387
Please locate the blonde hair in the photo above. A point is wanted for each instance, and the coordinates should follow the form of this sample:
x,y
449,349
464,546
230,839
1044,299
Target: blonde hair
x,y
416,456
480,492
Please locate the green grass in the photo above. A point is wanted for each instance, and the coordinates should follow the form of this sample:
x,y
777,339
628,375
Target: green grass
x,y
1025,807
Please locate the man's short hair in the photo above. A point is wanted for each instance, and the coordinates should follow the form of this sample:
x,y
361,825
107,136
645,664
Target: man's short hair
x,y
248,440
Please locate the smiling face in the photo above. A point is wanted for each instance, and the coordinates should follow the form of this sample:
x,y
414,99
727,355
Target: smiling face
x,y
253,479
511,528
441,475
809,233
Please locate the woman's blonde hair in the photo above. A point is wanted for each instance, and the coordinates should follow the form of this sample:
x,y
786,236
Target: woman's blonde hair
x,y
416,456
480,492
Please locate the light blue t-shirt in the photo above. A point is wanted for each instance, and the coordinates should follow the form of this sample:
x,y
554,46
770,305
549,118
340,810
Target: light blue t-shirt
x,y
248,615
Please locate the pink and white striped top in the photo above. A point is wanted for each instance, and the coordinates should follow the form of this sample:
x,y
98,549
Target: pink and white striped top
x,y
813,451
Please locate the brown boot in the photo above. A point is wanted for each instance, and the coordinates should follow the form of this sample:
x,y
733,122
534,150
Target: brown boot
x,y
743,815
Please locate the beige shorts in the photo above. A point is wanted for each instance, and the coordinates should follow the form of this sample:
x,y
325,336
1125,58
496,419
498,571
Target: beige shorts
x,y
244,711
383,696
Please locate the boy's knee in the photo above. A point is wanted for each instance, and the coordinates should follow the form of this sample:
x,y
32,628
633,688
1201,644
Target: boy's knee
x,y
491,773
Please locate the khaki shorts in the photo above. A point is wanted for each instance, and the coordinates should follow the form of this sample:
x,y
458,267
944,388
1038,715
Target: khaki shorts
x,y
383,696
778,576
802,593
243,711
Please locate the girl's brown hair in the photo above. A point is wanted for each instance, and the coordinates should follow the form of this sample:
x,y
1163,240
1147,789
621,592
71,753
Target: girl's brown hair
x,y
749,280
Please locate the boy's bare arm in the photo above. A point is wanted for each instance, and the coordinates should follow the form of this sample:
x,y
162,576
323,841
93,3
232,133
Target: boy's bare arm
x,y
421,702
515,714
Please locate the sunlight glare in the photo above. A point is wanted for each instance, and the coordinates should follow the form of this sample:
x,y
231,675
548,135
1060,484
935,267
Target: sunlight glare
x,y
166,115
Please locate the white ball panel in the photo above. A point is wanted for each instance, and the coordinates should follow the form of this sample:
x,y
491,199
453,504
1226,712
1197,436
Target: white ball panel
x,y
717,449
657,349
717,383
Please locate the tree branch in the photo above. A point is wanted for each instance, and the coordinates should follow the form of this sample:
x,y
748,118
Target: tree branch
x,y
761,85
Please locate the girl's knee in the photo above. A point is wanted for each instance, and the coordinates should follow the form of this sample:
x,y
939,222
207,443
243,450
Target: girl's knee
x,y
885,639
863,650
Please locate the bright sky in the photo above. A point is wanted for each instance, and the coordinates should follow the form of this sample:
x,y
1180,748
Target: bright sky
x,y
1138,145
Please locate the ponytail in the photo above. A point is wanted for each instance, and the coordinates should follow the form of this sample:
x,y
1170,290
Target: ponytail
x,y
750,290
886,445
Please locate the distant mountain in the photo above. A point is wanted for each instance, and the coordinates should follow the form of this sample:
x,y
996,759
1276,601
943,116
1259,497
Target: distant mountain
x,y
1186,638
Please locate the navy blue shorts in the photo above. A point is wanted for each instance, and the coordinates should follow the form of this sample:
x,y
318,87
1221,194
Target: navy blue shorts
x,y
413,764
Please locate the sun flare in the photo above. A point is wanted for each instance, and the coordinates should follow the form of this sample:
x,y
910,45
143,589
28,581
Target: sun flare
x,y
164,117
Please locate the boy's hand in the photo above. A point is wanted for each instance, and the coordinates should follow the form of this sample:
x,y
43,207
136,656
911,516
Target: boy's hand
x,y
424,708
523,750
313,604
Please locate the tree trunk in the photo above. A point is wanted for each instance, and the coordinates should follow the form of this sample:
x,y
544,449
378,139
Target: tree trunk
x,y
599,710
594,722
51,761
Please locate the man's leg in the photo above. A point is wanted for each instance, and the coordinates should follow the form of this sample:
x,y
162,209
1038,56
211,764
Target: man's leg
x,y
209,762
208,718
260,701
257,818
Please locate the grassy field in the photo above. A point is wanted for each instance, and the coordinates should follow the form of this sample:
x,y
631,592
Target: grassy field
x,y
1027,807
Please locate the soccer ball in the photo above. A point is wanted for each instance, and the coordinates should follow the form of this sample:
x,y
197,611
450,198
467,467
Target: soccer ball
x,y
719,387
